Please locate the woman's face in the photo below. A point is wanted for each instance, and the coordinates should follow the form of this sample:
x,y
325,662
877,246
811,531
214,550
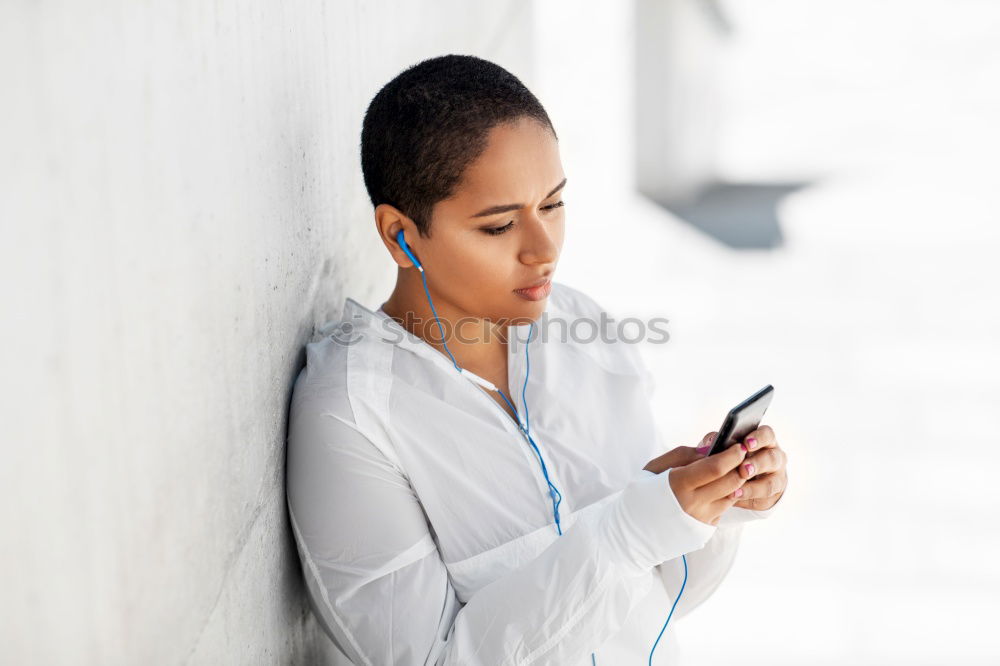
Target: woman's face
x,y
501,231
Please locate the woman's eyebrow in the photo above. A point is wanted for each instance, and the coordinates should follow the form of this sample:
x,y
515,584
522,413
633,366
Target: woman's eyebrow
x,y
495,210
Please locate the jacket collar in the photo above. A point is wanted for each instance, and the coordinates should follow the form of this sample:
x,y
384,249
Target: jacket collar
x,y
381,326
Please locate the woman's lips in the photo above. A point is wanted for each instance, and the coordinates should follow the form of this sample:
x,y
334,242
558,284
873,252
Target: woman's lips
x,y
535,293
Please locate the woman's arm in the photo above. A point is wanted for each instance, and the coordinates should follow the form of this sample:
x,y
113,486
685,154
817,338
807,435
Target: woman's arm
x,y
383,594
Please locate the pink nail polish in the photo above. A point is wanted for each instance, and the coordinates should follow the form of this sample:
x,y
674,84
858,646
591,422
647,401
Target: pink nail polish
x,y
752,442
749,468
743,446
738,492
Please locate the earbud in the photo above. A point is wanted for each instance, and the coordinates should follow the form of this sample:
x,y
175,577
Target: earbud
x,y
406,248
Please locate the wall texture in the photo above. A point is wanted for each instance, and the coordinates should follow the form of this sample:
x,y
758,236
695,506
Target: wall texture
x,y
181,203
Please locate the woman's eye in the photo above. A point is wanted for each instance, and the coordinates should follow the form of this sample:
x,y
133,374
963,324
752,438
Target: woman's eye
x,y
496,231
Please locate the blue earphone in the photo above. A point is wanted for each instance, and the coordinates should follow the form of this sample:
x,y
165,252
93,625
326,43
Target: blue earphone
x,y
553,491
401,239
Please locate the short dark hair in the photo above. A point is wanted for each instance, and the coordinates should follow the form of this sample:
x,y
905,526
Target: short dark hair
x,y
427,125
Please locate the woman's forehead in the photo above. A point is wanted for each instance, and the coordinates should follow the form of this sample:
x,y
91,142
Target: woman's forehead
x,y
520,165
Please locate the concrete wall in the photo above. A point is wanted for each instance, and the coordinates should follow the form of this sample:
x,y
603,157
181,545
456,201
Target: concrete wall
x,y
181,203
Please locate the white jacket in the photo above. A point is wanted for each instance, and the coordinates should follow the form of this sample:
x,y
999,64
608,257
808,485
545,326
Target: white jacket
x,y
424,523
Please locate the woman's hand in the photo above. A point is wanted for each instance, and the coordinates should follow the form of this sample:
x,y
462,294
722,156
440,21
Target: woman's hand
x,y
704,486
768,470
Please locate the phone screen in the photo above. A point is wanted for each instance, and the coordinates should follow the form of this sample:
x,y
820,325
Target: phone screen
x,y
743,419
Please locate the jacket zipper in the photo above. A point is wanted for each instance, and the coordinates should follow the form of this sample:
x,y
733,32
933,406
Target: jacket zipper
x,y
508,419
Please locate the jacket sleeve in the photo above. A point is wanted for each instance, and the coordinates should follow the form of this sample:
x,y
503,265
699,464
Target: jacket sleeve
x,y
708,566
382,593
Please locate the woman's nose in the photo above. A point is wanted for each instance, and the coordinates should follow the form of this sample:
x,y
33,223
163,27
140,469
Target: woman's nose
x,y
541,246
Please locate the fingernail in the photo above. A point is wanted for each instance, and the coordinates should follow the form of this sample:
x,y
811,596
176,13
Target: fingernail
x,y
752,442
702,450
738,492
749,469
743,446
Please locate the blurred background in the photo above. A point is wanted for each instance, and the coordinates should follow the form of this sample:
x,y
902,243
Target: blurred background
x,y
807,191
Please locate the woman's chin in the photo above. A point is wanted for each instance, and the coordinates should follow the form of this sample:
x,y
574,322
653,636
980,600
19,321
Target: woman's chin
x,y
515,311
527,311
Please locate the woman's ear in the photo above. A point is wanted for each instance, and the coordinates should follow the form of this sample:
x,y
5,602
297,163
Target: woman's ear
x,y
388,222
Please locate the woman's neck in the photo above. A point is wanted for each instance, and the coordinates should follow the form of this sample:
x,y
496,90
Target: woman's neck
x,y
478,344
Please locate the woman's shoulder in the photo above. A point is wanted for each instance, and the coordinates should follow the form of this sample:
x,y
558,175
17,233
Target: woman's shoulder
x,y
342,353
343,381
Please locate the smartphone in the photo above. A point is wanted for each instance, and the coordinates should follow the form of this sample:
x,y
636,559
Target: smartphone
x,y
743,419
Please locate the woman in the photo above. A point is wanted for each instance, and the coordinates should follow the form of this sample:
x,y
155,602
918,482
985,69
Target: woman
x,y
463,486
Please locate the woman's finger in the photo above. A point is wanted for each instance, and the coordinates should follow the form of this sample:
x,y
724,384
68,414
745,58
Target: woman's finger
x,y
761,438
724,487
719,507
677,457
761,462
710,468
706,442
764,486
755,495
